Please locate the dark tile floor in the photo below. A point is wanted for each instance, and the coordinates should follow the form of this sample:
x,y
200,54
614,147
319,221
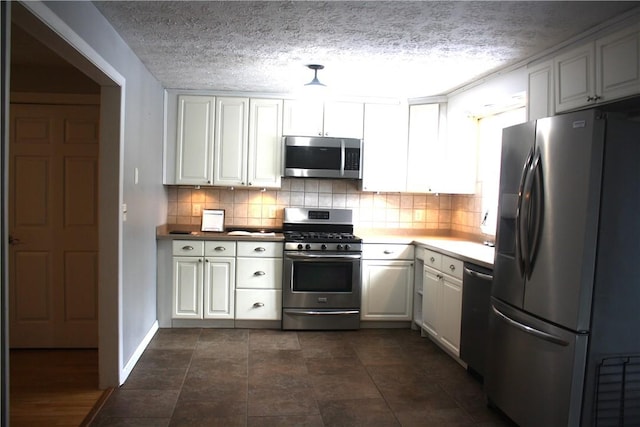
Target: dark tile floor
x,y
240,377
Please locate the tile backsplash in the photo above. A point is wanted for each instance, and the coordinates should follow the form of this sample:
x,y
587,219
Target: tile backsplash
x,y
256,208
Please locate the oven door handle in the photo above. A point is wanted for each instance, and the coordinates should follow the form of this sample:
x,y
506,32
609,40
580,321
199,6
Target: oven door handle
x,y
324,256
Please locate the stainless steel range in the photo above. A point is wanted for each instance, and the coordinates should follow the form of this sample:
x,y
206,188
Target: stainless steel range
x,y
322,270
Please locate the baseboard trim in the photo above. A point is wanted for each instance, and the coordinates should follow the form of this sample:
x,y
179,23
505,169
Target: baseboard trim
x,y
91,416
138,353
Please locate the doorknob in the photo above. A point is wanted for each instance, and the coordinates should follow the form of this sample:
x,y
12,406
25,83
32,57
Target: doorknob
x,y
13,240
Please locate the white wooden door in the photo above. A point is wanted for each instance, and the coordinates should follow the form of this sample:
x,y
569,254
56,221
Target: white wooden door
x,y
265,143
53,224
431,296
219,288
425,153
303,117
231,142
387,290
451,313
385,147
575,78
187,288
618,64
343,119
194,151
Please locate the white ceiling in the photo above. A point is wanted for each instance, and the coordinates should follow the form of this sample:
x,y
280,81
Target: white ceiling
x,y
402,49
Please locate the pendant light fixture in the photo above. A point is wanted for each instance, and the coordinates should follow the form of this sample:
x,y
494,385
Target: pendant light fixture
x,y
315,81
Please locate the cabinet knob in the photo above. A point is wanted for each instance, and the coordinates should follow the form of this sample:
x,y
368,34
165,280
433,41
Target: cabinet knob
x,y
259,249
220,248
440,276
452,267
593,98
187,248
258,304
432,259
259,273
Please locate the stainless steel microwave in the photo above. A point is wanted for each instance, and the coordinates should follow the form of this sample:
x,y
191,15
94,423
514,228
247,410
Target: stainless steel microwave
x,y
322,157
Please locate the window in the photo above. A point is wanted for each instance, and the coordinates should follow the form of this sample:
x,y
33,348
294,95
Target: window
x,y
490,146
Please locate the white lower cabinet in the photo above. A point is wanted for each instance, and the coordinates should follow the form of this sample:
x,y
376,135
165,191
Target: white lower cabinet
x,y
259,281
203,279
442,299
387,282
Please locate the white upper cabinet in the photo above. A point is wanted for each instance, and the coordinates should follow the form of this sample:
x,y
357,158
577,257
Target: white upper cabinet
x,y
618,64
248,138
265,143
194,141
231,142
385,147
425,150
600,71
317,118
540,91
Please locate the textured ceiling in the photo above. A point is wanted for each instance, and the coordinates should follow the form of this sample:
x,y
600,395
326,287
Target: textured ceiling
x,y
396,48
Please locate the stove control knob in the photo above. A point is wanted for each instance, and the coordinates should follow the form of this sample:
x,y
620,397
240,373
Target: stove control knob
x,y
347,247
323,247
307,246
300,247
339,247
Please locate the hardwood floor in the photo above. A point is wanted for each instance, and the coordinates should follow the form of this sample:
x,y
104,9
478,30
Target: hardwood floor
x,y
53,387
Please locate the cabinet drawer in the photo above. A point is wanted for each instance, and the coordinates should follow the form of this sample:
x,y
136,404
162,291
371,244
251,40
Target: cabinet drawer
x,y
258,304
432,259
452,266
188,247
387,251
219,248
264,273
260,249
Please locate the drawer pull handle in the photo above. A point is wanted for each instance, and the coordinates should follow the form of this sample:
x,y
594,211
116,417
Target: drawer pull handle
x,y
259,249
432,259
387,252
220,248
452,267
259,273
258,304
187,248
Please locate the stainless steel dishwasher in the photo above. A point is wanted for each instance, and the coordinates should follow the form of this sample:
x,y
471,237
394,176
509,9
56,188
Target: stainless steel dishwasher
x,y
476,294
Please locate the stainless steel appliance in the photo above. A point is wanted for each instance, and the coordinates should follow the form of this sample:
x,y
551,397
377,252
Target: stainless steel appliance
x,y
322,157
566,292
322,270
476,295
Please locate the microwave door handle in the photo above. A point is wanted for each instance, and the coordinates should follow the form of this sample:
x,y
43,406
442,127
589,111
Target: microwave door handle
x,y
342,154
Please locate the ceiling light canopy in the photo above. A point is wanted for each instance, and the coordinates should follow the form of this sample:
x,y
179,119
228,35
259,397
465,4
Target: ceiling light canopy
x,y
315,81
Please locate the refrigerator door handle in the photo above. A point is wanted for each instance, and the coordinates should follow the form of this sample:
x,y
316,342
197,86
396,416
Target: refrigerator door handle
x,y
522,219
529,330
536,168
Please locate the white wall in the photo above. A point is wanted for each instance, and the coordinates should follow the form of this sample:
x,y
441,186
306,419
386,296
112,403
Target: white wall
x,y
141,147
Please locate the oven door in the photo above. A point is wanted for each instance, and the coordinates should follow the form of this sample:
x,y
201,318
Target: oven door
x,y
321,281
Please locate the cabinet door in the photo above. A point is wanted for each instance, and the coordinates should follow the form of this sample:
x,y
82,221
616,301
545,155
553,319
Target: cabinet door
x,y
231,142
431,295
425,152
451,313
387,290
575,78
618,64
385,147
343,119
187,288
302,118
219,289
540,91
265,143
194,151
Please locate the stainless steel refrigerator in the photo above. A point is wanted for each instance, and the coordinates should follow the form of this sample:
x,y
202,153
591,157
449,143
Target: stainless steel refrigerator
x,y
564,327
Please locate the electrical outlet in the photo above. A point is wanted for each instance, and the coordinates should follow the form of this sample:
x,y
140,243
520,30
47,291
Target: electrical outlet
x,y
196,209
418,215
272,212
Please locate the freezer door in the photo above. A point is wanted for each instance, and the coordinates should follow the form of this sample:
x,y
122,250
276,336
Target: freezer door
x,y
559,218
517,146
534,371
